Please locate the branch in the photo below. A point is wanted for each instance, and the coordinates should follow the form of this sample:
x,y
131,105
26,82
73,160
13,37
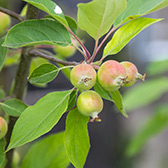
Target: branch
x,y
20,83
38,53
6,98
12,14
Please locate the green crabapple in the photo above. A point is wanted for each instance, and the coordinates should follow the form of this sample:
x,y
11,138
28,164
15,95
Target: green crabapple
x,y
83,76
66,51
132,73
3,127
89,103
111,75
4,22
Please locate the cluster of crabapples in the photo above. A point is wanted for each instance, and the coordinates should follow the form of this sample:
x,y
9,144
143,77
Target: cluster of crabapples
x,y
111,76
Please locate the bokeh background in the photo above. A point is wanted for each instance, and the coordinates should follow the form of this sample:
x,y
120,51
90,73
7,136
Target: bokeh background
x,y
140,141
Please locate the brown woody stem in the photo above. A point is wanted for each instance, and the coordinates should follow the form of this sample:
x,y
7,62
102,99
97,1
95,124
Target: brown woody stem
x,y
12,14
20,83
38,53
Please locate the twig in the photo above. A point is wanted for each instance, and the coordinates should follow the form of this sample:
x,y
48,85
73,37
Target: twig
x,y
6,98
74,44
82,45
38,53
106,37
12,14
95,51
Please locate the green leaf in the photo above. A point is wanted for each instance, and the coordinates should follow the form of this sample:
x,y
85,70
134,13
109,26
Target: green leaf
x,y
34,32
13,107
102,92
36,62
118,101
40,118
2,154
114,97
163,4
124,34
136,8
72,24
43,74
3,52
51,8
72,100
157,67
76,138
47,153
154,125
145,93
97,16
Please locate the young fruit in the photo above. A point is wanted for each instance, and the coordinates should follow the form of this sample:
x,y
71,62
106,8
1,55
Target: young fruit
x,y
3,127
66,52
83,76
4,22
89,103
111,75
132,74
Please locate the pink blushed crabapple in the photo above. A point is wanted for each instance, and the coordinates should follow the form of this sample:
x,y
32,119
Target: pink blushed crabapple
x,y
4,22
89,103
111,75
3,127
132,74
83,76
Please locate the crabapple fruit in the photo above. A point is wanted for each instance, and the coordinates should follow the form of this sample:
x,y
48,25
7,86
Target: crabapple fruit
x,y
4,22
83,76
66,51
3,127
89,103
132,73
111,75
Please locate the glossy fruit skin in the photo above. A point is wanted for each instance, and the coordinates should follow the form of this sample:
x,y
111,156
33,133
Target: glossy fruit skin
x,y
83,76
132,73
66,51
4,22
89,103
111,75
3,127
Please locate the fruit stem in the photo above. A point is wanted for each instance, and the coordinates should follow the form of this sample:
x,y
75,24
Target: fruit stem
x,y
73,42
